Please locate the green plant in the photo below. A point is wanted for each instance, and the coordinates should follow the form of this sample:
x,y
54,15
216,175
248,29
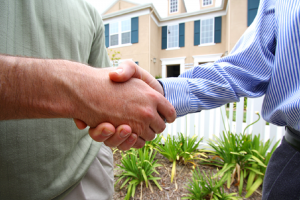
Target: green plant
x,y
137,168
260,150
114,57
241,156
158,77
203,187
188,149
171,150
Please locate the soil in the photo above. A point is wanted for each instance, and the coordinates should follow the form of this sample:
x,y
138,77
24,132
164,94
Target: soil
x,y
170,191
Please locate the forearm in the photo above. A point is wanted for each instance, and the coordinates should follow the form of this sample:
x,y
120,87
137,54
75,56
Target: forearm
x,y
36,88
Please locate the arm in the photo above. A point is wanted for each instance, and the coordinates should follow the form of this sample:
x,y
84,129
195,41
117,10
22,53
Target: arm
x,y
40,88
245,72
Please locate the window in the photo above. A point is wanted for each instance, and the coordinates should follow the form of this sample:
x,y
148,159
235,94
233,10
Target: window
x,y
207,31
173,6
207,2
120,32
173,34
114,34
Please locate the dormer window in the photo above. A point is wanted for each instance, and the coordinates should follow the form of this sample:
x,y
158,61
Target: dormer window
x,y
173,6
206,2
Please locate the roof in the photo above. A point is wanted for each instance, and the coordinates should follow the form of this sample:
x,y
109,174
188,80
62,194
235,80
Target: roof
x,y
151,6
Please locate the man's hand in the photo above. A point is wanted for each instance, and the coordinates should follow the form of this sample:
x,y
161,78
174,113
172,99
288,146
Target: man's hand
x,y
124,72
42,88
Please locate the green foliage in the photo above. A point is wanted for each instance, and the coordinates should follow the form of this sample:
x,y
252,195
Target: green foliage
x,y
171,150
203,187
183,149
241,156
188,149
114,57
158,77
137,168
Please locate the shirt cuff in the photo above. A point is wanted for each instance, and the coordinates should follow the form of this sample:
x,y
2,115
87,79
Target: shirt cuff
x,y
177,92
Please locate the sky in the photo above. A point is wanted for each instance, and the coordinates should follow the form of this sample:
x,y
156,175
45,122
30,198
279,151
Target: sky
x,y
160,5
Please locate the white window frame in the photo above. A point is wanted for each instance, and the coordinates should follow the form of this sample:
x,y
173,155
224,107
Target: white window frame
x,y
171,48
170,10
207,4
213,32
119,34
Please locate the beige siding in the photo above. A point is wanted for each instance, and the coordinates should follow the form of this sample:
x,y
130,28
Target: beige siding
x,y
155,46
190,50
237,20
120,5
139,51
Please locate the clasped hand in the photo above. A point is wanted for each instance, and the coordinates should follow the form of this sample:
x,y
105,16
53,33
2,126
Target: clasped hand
x,y
122,136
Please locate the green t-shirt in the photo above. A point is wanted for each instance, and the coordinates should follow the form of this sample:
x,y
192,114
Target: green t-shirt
x,y
45,158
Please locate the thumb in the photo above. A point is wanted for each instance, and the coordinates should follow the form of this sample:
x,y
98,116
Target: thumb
x,y
125,71
129,69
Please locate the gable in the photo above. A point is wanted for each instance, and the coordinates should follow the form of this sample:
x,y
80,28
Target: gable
x,y
120,5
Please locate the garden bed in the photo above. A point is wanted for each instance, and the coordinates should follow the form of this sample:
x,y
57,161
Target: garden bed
x,y
172,191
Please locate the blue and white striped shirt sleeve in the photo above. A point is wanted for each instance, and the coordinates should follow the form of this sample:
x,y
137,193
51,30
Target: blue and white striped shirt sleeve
x,y
245,72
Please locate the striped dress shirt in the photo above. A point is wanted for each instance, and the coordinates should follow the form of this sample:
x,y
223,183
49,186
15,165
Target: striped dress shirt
x,y
265,61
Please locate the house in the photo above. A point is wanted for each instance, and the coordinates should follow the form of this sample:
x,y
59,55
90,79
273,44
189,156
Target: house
x,y
167,46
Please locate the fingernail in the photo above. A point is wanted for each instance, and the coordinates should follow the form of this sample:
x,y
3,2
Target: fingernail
x,y
106,132
132,138
119,71
123,134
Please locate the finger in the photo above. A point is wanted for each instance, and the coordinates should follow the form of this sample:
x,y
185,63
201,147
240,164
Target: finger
x,y
120,136
129,69
102,132
158,124
139,143
80,124
128,143
148,135
166,110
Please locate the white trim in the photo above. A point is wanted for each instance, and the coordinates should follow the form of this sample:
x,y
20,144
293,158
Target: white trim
x,y
118,46
212,2
206,58
168,36
172,61
128,15
193,18
207,44
174,48
213,31
181,17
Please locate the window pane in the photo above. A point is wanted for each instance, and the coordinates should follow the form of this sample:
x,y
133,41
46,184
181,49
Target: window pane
x,y
114,40
125,38
126,25
206,31
173,6
114,28
173,39
207,2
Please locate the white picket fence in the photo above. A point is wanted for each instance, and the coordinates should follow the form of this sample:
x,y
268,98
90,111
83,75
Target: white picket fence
x,y
208,123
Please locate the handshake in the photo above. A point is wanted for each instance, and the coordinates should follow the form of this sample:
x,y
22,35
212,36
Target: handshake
x,y
135,108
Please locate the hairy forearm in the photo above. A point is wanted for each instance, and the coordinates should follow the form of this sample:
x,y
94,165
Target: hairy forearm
x,y
35,88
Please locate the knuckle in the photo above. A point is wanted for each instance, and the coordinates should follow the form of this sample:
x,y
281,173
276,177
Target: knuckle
x,y
148,113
